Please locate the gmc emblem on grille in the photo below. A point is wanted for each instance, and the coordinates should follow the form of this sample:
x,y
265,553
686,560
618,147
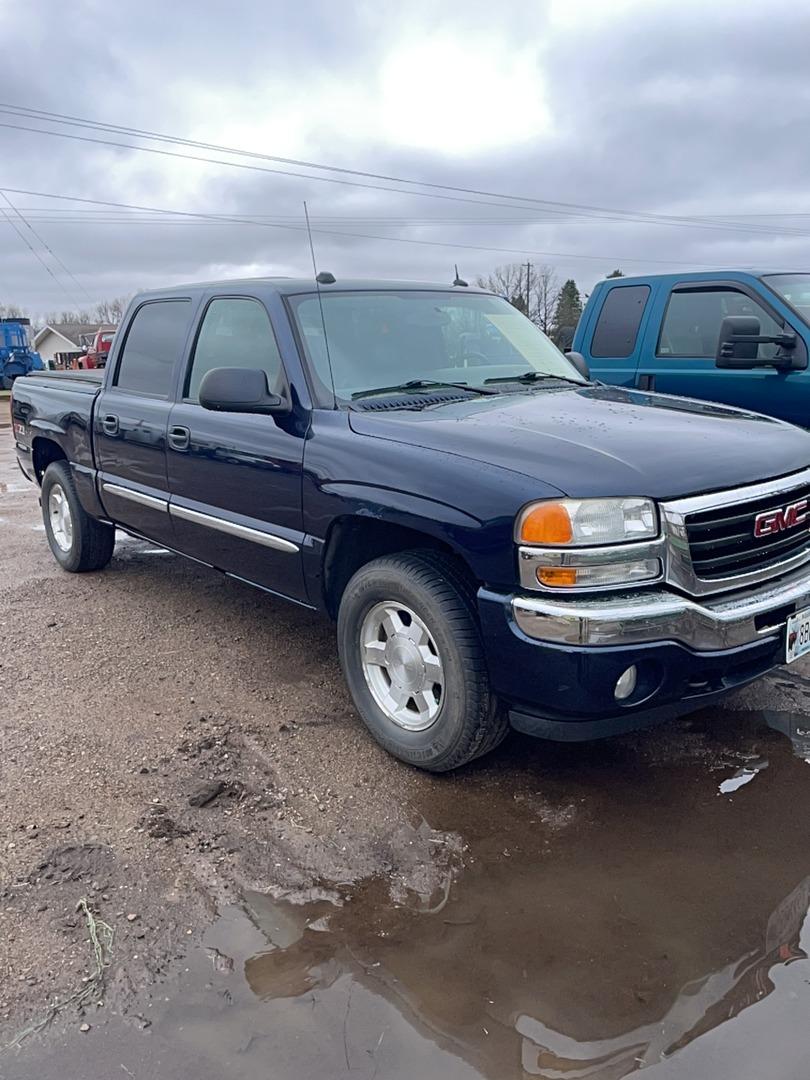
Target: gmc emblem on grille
x,y
776,521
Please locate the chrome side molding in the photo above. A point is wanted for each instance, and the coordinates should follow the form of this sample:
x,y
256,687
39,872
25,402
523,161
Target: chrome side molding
x,y
244,532
135,496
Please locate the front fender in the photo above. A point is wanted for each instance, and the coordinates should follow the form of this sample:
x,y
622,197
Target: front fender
x,y
469,506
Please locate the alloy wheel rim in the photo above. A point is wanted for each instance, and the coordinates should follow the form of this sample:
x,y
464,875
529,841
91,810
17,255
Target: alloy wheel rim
x,y
402,665
60,518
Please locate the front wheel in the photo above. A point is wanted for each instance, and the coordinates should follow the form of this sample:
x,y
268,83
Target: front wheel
x,y
412,655
78,541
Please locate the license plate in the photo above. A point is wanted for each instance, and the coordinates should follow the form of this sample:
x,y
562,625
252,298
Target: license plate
x,y
798,635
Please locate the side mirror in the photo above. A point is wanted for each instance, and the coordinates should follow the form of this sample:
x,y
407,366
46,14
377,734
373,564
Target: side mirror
x,y
239,390
739,342
580,363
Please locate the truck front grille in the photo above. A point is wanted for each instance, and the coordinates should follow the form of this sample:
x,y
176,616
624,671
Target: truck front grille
x,y
722,542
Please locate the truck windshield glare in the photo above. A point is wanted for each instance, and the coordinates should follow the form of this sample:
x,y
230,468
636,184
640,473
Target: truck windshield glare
x,y
390,338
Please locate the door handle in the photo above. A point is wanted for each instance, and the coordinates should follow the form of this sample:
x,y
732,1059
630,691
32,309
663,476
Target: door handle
x,y
110,424
646,382
179,438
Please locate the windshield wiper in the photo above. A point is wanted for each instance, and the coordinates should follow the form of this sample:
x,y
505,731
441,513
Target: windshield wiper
x,y
423,384
535,376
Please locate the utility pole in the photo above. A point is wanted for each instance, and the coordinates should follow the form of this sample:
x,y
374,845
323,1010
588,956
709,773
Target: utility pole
x,y
528,289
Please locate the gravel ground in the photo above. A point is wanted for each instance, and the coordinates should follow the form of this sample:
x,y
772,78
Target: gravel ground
x,y
170,739
131,694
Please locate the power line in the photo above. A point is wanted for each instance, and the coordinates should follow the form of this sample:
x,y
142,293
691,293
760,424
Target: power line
x,y
86,123
50,251
10,220
644,217
251,168
225,219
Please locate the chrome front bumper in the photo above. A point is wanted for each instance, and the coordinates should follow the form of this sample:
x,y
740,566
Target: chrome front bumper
x,y
723,622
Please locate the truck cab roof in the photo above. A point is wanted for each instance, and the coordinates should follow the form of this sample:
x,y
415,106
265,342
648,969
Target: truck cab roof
x,y
720,274
290,286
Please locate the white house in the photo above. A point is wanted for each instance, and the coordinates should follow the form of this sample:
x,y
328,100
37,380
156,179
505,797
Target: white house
x,y
64,337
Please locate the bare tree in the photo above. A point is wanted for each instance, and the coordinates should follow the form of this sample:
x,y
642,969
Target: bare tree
x,y
11,311
514,280
508,281
111,311
545,294
80,315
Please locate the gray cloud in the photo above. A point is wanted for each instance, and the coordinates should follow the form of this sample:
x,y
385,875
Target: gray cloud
x,y
673,108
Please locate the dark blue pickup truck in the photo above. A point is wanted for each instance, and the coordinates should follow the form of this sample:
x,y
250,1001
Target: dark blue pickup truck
x,y
498,538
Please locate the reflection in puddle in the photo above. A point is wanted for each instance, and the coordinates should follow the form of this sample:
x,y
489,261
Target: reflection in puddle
x,y
797,729
743,776
657,916
626,938
480,980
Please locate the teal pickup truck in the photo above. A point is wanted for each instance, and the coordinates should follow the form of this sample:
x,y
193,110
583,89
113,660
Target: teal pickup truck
x,y
738,337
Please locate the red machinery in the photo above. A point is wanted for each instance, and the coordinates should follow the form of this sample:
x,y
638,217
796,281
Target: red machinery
x,y
97,348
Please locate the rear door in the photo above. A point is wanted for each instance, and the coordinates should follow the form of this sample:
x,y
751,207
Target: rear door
x,y
612,349
132,415
679,357
236,478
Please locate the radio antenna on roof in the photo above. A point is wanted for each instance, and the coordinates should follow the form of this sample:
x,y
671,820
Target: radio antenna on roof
x,y
459,280
327,279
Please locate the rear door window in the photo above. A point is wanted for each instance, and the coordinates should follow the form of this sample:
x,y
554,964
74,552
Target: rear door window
x,y
153,344
617,326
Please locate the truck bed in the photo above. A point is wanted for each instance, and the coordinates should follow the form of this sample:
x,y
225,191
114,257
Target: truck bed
x,y
87,382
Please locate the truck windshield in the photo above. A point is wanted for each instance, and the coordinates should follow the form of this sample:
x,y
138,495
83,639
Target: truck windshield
x,y
379,339
794,290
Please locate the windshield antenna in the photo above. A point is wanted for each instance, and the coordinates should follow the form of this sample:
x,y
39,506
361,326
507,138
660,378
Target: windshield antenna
x,y
458,280
327,279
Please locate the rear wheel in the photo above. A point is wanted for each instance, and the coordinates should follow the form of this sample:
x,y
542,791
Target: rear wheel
x,y
78,542
411,652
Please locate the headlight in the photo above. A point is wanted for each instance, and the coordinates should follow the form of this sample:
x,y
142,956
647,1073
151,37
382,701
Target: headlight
x,y
587,522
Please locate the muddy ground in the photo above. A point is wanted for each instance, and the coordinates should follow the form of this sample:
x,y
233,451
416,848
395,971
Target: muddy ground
x,y
178,751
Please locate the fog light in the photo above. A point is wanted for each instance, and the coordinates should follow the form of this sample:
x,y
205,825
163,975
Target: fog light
x,y
626,683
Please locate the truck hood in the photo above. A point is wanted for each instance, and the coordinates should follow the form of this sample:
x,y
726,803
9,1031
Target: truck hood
x,y
603,441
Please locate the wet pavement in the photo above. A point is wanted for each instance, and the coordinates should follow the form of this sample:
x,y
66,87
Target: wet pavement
x,y
655,919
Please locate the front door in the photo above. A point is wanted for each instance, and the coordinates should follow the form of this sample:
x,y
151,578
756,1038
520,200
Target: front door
x,y
235,478
132,416
683,358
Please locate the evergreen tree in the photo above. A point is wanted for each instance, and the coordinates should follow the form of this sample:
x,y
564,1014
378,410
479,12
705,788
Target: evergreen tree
x,y
566,314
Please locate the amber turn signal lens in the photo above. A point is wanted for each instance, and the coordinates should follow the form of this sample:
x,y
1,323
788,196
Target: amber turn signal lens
x,y
547,523
557,576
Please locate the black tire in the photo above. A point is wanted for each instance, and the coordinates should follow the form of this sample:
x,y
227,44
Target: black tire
x,y
90,545
469,721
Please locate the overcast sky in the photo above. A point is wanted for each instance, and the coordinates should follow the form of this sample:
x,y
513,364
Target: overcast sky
x,y
681,109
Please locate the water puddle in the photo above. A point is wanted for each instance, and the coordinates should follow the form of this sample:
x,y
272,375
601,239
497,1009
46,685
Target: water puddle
x,y
742,776
644,923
